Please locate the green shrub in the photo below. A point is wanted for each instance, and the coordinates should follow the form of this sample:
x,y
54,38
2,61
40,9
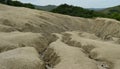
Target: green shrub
x,y
18,4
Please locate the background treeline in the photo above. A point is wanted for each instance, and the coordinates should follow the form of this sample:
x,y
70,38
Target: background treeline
x,y
114,12
81,12
76,11
17,3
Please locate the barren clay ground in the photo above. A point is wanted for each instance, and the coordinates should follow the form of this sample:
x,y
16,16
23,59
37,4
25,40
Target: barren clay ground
x,y
32,39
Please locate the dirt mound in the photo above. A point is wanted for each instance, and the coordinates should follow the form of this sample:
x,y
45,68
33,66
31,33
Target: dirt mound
x,y
106,54
104,27
28,20
14,40
21,58
71,57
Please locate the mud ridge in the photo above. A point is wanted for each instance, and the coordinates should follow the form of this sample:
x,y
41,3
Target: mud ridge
x,y
66,38
49,56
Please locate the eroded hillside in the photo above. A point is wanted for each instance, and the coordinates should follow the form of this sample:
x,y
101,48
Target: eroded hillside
x,y
32,39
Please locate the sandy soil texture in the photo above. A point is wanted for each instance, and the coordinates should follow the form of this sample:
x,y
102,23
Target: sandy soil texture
x,y
34,39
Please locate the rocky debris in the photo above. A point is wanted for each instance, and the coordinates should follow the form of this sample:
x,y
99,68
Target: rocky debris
x,y
111,56
102,65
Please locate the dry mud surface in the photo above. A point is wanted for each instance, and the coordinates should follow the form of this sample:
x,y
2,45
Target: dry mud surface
x,y
34,39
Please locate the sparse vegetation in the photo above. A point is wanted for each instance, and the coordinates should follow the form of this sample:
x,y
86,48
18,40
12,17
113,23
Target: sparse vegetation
x,y
17,3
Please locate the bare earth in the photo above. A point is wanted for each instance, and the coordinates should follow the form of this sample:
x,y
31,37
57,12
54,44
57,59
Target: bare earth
x,y
34,39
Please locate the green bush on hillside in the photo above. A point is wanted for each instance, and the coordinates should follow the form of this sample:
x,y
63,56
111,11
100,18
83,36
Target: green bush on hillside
x,y
81,12
17,3
76,11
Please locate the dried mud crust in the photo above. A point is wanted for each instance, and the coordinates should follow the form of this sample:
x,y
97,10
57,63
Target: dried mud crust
x,y
86,49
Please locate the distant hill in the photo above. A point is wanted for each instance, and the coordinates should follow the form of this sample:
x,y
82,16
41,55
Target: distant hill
x,y
76,11
96,9
113,12
46,8
115,9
